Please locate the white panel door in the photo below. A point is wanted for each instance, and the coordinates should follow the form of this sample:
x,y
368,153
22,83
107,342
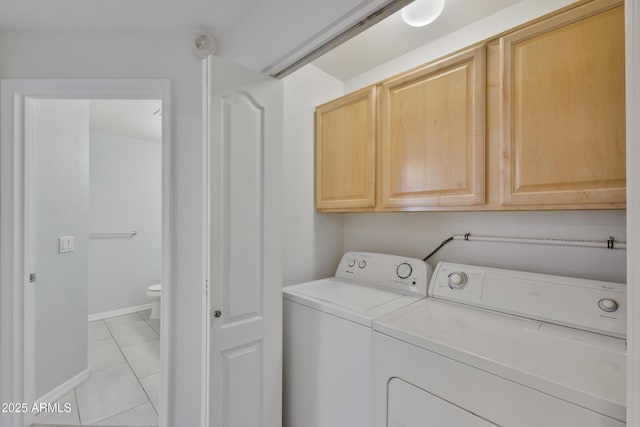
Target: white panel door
x,y
245,346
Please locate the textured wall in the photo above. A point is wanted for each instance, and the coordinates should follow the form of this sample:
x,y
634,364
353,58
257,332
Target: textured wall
x,y
312,241
416,234
125,193
61,133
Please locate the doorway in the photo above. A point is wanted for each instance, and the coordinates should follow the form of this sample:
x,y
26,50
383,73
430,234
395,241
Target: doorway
x,y
97,252
104,341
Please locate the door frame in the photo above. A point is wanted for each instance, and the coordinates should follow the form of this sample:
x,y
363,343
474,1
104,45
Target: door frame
x,y
17,222
206,240
632,42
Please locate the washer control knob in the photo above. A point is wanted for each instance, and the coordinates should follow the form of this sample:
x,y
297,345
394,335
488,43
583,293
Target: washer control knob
x,y
457,280
608,305
362,264
404,270
351,262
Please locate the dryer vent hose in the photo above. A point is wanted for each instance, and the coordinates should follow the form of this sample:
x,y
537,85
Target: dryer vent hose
x,y
444,242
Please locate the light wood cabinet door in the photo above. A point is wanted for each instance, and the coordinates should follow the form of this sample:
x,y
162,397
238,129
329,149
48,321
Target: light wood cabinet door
x,y
563,109
346,152
432,134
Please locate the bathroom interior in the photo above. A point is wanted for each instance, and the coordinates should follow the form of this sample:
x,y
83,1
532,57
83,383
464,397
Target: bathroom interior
x,y
98,259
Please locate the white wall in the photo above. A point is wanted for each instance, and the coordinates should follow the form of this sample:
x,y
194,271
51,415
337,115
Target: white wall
x,y
485,28
312,241
61,135
416,234
145,55
125,192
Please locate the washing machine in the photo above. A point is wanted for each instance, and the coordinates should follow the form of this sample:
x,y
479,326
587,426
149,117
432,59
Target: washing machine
x,y
327,336
493,347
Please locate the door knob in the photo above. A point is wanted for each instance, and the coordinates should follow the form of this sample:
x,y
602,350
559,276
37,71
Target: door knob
x,y
217,313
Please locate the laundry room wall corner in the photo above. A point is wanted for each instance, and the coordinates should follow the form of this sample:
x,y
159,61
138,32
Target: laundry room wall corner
x,y
312,241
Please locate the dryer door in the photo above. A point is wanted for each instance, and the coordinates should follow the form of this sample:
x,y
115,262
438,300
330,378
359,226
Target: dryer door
x,y
410,406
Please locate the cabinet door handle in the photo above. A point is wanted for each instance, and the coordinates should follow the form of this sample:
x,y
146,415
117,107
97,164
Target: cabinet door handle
x,y
217,313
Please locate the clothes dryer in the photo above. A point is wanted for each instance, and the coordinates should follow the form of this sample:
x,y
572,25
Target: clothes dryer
x,y
499,347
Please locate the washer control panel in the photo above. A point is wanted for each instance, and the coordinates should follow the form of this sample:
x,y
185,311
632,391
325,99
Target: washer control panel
x,y
408,274
579,303
404,270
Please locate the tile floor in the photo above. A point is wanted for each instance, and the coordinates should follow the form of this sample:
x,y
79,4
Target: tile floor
x,y
124,363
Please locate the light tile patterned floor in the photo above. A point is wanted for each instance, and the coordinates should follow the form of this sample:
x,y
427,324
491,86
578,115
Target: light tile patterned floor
x,y
124,363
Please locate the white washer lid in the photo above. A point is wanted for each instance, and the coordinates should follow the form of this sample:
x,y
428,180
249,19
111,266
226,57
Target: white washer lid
x,y
581,367
357,302
155,288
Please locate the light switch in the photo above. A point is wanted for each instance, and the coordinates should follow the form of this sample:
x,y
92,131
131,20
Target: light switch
x,y
66,244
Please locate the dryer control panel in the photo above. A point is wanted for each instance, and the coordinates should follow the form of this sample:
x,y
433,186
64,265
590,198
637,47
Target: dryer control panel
x,y
579,303
411,275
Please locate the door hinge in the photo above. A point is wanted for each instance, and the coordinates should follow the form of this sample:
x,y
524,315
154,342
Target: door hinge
x,y
32,278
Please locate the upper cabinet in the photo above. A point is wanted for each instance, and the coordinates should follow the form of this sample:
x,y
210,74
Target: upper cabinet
x,y
532,119
431,134
346,152
563,109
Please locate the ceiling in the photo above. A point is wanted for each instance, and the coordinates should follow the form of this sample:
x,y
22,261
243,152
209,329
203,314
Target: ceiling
x,y
133,118
391,37
122,15
264,35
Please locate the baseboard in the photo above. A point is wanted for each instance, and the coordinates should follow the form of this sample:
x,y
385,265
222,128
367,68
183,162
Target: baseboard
x,y
119,312
64,388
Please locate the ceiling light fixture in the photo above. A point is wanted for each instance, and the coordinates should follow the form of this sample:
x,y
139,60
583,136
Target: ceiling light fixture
x,y
422,12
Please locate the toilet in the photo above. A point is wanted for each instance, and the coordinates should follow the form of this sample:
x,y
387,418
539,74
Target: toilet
x,y
153,292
